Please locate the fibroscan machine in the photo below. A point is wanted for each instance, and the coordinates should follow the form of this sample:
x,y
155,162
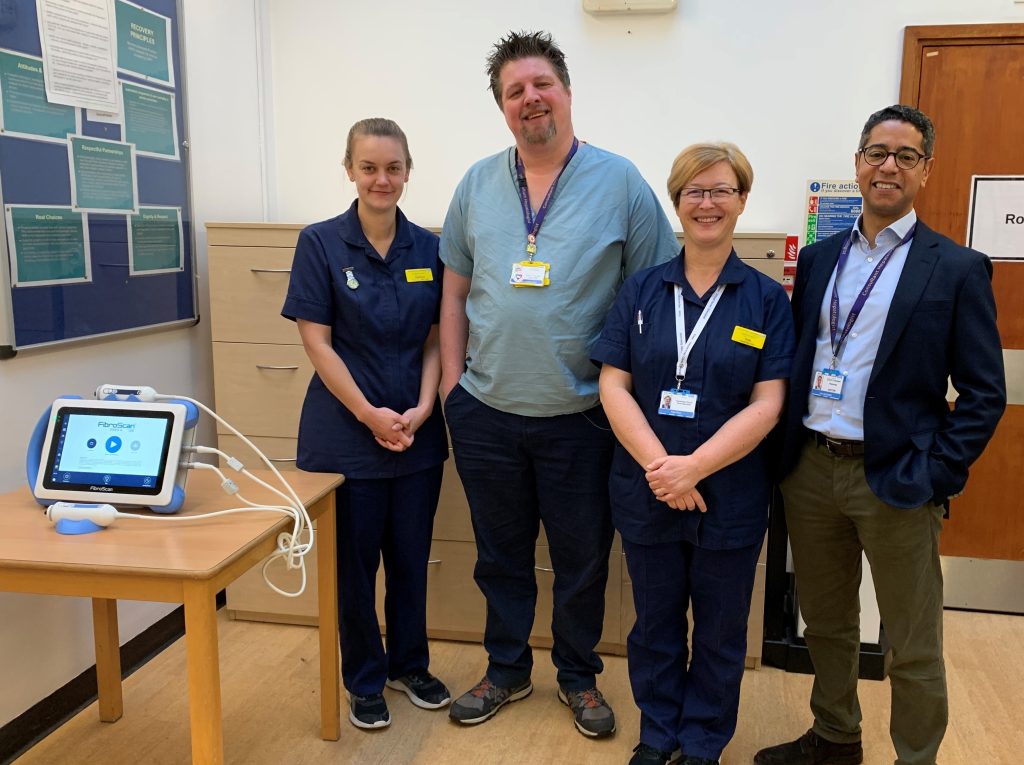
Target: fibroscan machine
x,y
93,462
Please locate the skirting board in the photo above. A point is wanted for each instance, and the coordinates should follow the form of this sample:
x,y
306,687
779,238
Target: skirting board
x,y
983,585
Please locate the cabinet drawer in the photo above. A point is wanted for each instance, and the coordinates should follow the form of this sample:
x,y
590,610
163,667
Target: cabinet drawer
x,y
452,522
455,606
280,451
253,234
247,290
260,388
248,597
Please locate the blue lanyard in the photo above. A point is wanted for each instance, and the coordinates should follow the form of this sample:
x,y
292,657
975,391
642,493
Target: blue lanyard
x,y
532,222
862,296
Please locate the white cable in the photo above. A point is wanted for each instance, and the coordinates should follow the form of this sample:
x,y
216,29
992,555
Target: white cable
x,y
289,545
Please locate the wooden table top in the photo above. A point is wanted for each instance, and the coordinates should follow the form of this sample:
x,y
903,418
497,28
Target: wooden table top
x,y
179,549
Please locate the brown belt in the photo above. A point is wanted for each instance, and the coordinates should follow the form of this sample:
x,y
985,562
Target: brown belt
x,y
839,447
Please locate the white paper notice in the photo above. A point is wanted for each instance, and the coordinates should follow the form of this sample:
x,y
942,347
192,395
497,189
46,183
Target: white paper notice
x,y
995,221
77,38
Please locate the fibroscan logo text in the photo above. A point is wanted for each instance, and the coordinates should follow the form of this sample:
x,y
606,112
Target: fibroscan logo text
x,y
116,425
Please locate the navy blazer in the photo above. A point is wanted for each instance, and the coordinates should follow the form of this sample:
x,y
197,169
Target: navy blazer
x,y
941,325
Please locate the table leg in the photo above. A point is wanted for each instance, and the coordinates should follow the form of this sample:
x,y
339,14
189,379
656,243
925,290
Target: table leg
x,y
203,673
108,659
327,593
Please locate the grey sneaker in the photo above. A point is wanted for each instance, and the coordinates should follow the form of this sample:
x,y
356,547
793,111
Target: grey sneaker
x,y
482,701
592,714
369,711
423,689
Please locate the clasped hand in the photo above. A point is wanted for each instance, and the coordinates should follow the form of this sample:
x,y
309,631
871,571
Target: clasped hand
x,y
673,479
394,431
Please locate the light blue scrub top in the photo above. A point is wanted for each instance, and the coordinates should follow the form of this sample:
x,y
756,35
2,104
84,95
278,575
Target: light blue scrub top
x,y
529,348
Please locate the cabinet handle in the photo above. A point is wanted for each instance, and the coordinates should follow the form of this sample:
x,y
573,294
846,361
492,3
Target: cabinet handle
x,y
282,459
433,561
277,366
541,568
270,270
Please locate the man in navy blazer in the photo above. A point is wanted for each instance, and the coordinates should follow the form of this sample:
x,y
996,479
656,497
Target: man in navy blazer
x,y
886,314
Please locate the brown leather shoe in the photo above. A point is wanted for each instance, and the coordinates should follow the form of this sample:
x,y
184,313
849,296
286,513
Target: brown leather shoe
x,y
811,749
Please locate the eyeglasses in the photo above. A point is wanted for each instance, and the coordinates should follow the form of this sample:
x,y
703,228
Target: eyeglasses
x,y
906,158
718,194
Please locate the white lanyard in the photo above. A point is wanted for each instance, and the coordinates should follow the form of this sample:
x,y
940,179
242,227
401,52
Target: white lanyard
x,y
683,343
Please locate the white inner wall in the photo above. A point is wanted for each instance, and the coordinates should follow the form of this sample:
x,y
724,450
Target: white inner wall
x,y
791,82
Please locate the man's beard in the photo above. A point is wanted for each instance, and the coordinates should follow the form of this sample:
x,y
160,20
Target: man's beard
x,y
536,138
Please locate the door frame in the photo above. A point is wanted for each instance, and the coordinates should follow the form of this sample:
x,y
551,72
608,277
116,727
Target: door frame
x,y
917,38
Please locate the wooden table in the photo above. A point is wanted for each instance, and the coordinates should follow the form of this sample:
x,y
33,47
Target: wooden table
x,y
175,562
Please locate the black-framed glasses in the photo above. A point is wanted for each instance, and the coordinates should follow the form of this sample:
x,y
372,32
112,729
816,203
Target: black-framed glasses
x,y
695,195
906,158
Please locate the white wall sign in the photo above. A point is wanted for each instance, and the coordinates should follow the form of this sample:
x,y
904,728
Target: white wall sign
x,y
995,223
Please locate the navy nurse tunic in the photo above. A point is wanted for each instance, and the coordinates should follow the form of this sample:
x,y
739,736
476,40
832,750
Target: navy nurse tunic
x,y
378,329
721,371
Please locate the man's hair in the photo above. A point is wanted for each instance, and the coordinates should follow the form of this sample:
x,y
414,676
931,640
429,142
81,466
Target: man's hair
x,y
517,45
903,113
380,127
694,160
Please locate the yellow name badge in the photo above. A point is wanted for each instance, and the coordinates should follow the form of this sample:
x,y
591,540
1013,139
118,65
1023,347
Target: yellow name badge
x,y
748,337
419,275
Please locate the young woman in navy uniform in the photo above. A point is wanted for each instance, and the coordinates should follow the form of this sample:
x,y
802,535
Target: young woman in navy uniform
x,y
695,357
365,291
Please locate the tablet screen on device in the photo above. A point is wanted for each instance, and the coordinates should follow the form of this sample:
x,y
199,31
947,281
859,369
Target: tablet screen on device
x,y
118,452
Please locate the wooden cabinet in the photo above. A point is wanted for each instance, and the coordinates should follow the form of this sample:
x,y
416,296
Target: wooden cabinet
x,y
260,378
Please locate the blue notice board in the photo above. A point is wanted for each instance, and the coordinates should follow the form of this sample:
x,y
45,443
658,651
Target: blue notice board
x,y
69,271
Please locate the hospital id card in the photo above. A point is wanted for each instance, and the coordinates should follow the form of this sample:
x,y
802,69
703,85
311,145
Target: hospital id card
x,y
828,383
530,273
678,403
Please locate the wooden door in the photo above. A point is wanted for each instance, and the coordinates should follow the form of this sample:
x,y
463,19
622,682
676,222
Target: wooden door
x,y
970,81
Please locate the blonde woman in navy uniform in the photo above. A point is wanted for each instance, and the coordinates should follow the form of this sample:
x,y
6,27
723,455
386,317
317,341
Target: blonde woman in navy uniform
x,y
695,357
365,291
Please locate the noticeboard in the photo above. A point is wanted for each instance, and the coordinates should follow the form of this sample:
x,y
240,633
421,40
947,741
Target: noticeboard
x,y
94,178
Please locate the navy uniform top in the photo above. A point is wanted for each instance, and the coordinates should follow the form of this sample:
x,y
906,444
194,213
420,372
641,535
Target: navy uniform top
x,y
378,329
722,372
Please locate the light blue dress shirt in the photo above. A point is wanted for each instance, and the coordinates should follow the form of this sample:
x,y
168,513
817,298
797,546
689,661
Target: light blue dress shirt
x,y
844,418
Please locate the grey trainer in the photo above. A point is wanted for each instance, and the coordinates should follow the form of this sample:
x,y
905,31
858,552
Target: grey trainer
x,y
593,716
482,701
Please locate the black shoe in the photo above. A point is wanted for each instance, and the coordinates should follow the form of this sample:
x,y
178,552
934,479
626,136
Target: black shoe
x,y
423,689
698,761
645,754
811,749
368,711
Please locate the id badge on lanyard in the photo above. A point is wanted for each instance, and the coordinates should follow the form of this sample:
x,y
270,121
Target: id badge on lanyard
x,y
679,401
828,382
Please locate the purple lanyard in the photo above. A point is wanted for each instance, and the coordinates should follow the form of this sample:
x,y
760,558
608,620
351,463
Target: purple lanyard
x,y
532,222
862,296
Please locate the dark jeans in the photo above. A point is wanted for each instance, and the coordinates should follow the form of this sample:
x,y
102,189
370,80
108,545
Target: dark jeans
x,y
389,518
518,472
690,707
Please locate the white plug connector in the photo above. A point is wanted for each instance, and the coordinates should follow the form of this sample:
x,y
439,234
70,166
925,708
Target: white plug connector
x,y
141,392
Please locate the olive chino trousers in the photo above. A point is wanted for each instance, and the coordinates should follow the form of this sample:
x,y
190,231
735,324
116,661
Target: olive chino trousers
x,y
833,516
